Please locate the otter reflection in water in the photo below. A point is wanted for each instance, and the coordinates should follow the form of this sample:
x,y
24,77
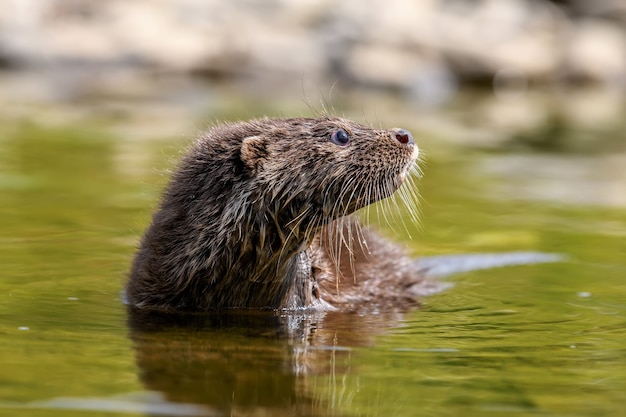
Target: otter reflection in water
x,y
249,362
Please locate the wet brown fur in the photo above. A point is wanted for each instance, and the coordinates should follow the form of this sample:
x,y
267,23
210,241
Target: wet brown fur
x,y
257,215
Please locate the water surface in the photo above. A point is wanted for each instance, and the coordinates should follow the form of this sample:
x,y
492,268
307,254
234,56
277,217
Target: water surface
x,y
544,339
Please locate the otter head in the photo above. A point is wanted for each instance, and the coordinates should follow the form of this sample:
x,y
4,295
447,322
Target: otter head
x,y
308,172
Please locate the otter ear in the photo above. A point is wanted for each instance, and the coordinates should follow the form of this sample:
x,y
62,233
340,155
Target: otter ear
x,y
254,152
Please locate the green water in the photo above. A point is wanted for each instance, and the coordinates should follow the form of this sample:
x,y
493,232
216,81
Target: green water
x,y
531,340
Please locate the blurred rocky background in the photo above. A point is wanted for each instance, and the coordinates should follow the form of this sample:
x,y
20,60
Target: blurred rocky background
x,y
540,65
534,77
426,48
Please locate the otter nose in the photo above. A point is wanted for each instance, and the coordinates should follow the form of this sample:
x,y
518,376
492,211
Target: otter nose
x,y
404,137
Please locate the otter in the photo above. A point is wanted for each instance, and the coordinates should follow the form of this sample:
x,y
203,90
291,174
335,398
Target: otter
x,y
258,214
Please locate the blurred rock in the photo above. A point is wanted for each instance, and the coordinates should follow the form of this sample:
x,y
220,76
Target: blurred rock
x,y
597,51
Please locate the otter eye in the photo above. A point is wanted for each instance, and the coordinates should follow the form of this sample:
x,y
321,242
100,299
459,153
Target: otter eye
x,y
340,137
